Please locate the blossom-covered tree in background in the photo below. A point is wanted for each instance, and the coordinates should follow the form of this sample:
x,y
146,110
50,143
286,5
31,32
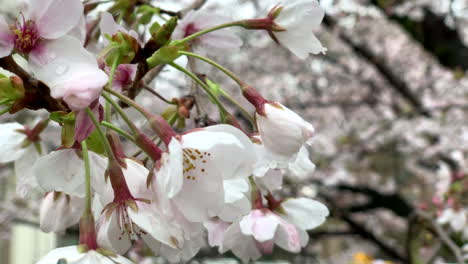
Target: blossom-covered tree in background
x,y
184,129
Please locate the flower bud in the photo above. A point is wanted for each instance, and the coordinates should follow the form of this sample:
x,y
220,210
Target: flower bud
x,y
283,132
11,89
164,33
164,55
121,46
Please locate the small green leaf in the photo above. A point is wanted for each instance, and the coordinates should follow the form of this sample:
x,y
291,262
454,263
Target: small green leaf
x,y
94,143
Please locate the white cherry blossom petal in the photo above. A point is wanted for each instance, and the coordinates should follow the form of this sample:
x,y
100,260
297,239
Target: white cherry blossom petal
x,y
11,142
110,236
54,18
304,213
68,175
283,132
262,225
26,182
59,211
7,39
69,70
71,254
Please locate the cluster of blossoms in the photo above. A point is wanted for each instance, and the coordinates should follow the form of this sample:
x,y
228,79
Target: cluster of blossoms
x,y
219,180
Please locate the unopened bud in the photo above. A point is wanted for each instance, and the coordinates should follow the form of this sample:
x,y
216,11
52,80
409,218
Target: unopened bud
x,y
164,55
164,33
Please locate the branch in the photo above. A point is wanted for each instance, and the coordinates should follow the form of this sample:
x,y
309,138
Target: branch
x,y
36,93
396,83
444,237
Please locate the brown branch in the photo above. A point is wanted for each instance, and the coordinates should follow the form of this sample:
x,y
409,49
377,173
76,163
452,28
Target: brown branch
x,y
395,81
37,94
444,237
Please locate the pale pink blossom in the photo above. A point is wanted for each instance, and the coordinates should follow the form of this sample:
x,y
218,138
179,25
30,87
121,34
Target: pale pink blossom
x,y
68,174
198,163
282,131
59,211
153,219
45,21
73,254
70,71
195,21
257,232
299,18
17,148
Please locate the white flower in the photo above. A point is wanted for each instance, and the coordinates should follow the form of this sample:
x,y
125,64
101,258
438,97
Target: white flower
x,y
236,202
229,237
269,169
16,147
11,142
282,131
456,218
158,223
45,21
59,211
257,232
299,18
193,171
70,71
63,171
72,255
195,21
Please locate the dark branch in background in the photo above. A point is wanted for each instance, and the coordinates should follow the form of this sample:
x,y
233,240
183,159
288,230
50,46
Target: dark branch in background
x,y
444,237
429,31
395,82
393,201
361,231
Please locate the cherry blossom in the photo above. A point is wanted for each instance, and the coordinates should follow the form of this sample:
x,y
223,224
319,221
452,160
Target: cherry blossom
x,y
256,233
282,131
73,254
68,175
44,22
59,211
23,150
457,219
298,18
70,71
195,21
198,163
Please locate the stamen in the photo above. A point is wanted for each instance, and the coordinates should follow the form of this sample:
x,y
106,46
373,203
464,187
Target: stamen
x,y
26,34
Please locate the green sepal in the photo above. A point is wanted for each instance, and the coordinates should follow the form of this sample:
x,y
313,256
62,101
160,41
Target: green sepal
x,y
164,55
95,144
62,117
147,12
180,123
11,89
169,112
154,28
122,47
163,35
68,134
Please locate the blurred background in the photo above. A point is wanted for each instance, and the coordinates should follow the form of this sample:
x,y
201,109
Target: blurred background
x,y
389,101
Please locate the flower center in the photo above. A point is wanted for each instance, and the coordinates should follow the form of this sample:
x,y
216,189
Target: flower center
x,y
126,225
26,35
190,29
195,163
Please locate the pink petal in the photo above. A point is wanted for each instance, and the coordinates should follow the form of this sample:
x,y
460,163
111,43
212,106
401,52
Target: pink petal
x,y
7,39
84,126
54,18
124,75
69,70
260,224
